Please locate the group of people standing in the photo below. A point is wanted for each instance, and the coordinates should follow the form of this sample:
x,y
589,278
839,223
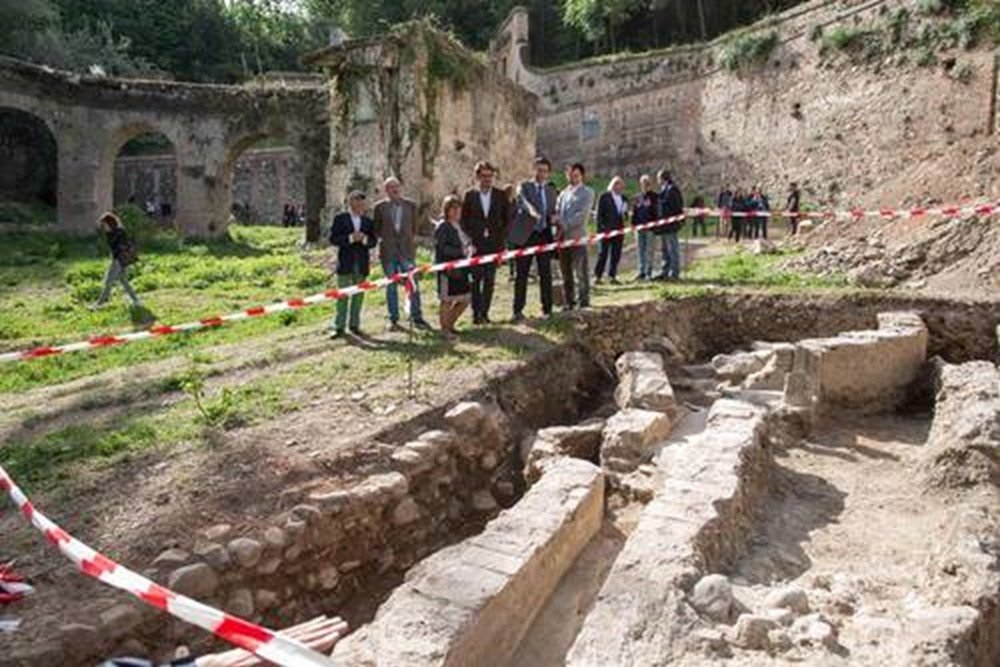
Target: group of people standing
x,y
488,219
757,207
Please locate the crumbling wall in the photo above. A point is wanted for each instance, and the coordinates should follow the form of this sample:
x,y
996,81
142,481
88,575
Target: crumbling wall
x,y
209,126
843,130
264,180
420,106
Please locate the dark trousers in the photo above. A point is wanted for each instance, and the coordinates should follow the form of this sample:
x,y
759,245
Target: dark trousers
x,y
736,228
793,222
699,222
483,279
610,248
523,269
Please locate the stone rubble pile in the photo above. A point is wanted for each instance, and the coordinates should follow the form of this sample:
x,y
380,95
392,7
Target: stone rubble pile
x,y
882,259
964,445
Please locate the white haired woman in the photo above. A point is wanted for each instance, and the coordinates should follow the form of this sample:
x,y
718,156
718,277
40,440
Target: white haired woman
x,y
612,210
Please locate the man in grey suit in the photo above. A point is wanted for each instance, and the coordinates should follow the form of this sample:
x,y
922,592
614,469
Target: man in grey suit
x,y
533,222
396,228
574,208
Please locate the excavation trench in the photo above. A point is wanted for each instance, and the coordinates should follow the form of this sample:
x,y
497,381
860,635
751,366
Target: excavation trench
x,y
739,517
508,523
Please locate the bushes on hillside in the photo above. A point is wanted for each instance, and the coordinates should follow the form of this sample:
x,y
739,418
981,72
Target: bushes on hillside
x,y
748,49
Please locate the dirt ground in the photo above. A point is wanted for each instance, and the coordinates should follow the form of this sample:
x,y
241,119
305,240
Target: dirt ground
x,y
847,523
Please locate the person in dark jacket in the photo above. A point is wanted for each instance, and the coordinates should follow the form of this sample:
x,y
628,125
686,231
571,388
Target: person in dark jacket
x,y
533,224
739,221
645,209
353,234
451,243
699,218
612,209
485,218
793,205
757,206
123,255
671,206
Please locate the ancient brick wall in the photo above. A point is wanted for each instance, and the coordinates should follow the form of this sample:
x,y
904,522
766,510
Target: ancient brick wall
x,y
264,181
850,131
417,105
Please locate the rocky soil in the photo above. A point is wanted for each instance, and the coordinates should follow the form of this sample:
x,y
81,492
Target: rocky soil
x,y
953,256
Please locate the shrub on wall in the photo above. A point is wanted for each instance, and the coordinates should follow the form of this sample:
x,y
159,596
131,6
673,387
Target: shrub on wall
x,y
748,49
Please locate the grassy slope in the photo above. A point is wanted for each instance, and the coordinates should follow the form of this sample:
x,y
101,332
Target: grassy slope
x,y
46,284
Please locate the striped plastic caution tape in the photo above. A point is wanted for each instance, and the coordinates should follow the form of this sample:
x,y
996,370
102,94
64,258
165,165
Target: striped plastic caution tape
x,y
265,643
113,340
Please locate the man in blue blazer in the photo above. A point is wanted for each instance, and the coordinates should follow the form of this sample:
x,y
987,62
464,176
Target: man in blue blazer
x,y
353,233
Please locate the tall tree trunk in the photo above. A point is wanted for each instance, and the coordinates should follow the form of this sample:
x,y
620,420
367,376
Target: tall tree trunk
x,y
701,20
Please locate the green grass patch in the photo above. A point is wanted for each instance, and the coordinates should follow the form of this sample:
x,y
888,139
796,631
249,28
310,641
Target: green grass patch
x,y
26,213
745,269
748,50
48,280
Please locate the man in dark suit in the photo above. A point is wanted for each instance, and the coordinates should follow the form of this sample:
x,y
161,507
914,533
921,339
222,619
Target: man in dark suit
x,y
612,208
485,218
353,233
396,227
671,206
533,220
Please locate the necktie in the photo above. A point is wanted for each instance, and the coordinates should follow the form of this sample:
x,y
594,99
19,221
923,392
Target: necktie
x,y
540,225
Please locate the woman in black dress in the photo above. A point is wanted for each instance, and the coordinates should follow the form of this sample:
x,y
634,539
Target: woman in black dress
x,y
450,244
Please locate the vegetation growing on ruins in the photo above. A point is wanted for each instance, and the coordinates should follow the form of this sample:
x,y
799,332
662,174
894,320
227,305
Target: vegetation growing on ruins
x,y
232,40
937,25
748,49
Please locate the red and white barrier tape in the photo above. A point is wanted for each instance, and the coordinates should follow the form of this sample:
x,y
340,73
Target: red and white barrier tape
x,y
265,643
983,210
112,340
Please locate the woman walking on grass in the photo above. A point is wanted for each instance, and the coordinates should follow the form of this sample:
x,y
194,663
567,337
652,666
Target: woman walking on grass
x,y
123,255
454,287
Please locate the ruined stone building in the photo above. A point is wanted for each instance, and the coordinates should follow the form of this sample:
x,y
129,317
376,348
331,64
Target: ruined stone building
x,y
412,103
851,126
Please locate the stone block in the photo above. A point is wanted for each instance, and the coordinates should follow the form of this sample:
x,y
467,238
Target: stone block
x,y
245,551
870,370
696,524
629,438
197,581
582,441
466,417
643,384
713,597
472,603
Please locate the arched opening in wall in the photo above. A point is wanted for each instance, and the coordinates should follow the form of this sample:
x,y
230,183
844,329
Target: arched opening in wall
x,y
267,182
29,169
146,175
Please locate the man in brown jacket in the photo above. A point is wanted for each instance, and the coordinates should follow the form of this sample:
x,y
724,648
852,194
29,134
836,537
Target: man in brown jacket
x,y
485,218
396,228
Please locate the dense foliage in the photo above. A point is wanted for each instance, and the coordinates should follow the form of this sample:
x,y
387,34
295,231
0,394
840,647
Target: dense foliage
x,y
232,40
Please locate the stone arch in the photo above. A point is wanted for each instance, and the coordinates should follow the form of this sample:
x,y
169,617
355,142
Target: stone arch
x,y
145,175
311,146
115,141
29,153
262,173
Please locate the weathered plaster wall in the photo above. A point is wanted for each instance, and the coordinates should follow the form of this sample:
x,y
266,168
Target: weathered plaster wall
x,y
209,127
264,180
850,132
417,105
